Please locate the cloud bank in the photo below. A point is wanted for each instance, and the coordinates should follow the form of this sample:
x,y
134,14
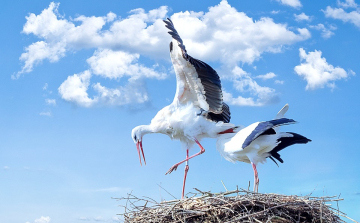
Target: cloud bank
x,y
222,34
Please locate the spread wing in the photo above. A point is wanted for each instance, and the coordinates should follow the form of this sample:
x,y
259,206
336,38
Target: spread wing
x,y
196,80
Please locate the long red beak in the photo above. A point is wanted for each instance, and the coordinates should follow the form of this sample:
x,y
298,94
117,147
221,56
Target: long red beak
x,y
139,147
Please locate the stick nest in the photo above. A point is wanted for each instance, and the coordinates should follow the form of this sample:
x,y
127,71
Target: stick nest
x,y
241,206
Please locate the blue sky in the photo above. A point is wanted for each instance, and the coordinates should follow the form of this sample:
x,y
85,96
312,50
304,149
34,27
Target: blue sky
x,y
78,76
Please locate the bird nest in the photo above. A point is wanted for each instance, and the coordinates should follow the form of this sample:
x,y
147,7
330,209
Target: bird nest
x,y
233,206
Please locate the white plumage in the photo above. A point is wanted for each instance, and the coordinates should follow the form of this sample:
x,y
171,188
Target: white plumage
x,y
197,110
258,141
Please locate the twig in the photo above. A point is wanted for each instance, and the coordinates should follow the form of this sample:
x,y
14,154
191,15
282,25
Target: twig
x,y
166,191
224,185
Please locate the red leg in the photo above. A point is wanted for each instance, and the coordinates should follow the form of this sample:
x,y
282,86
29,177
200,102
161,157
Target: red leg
x,y
202,150
256,178
186,170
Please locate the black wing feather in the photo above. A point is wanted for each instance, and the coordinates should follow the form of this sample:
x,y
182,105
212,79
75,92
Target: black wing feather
x,y
224,116
288,141
263,127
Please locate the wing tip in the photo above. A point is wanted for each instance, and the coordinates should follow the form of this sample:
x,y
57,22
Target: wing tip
x,y
168,20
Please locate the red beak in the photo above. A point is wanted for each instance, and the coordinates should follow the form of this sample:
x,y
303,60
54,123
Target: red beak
x,y
139,147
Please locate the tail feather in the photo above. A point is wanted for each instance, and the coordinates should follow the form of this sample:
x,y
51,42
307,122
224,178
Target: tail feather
x,y
281,113
285,142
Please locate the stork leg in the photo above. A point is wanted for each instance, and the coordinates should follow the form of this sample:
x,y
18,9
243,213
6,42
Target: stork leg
x,y
185,174
174,167
256,178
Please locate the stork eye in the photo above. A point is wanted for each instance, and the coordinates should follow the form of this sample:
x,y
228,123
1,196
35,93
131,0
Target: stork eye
x,y
171,46
135,137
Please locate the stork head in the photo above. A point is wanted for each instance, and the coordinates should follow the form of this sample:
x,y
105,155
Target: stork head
x,y
137,133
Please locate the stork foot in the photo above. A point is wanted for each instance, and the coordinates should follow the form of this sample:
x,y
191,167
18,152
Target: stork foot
x,y
173,168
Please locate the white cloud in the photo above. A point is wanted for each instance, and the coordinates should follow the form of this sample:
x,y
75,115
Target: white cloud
x,y
226,35
37,52
6,168
302,17
243,83
113,65
45,114
347,4
266,76
133,93
45,86
292,3
60,35
339,13
116,64
50,101
43,219
279,82
220,34
325,32
75,90
214,35
317,72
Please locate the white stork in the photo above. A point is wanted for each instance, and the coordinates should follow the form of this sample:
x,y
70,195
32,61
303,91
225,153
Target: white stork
x,y
197,110
258,141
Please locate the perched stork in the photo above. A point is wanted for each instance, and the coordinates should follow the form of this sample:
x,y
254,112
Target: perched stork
x,y
197,110
258,141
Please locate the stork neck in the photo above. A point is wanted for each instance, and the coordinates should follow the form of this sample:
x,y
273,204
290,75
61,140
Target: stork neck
x,y
146,129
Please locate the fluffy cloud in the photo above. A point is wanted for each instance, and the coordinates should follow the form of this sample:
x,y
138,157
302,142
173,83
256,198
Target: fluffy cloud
x,y
111,65
266,76
75,89
292,3
50,101
220,34
43,219
133,93
347,4
116,64
215,35
302,17
326,32
243,83
226,35
61,35
37,52
339,13
317,72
